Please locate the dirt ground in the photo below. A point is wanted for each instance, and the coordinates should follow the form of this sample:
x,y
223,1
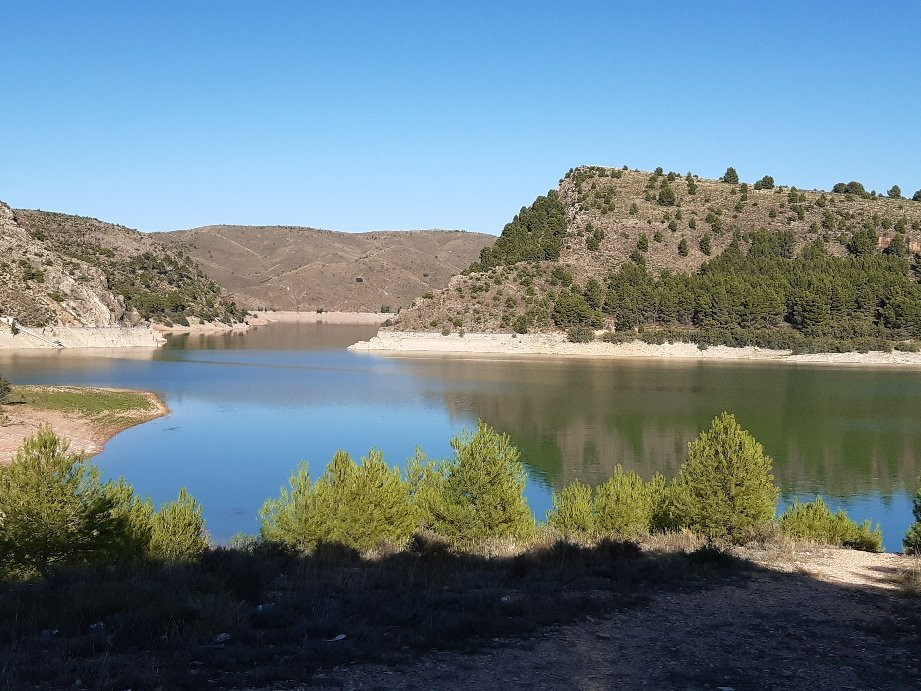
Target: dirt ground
x,y
84,433
817,619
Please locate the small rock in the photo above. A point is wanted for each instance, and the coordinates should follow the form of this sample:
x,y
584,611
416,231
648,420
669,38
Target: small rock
x,y
222,638
340,637
50,633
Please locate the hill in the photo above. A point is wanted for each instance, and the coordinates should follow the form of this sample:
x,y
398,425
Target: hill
x,y
677,256
60,269
285,267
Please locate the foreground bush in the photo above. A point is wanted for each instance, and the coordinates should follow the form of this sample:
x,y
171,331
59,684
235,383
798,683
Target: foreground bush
x,y
912,540
54,511
359,506
573,512
177,530
725,488
477,496
622,507
814,521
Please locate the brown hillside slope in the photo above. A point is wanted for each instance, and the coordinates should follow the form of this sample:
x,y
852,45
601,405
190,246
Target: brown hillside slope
x,y
608,211
285,267
124,276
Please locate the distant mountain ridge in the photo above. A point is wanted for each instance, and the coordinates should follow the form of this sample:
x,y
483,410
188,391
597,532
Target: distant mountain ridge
x,y
299,268
59,269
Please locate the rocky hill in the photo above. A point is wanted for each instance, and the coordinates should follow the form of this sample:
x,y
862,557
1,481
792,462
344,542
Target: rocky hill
x,y
621,249
59,269
293,268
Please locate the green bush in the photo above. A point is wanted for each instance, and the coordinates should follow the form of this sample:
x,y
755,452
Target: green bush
x,y
573,512
625,505
357,505
580,334
683,247
53,508
730,176
136,518
726,489
895,192
814,521
912,540
5,390
478,495
622,507
667,196
177,532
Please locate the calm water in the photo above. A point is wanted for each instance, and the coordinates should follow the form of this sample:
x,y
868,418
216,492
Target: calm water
x,y
246,408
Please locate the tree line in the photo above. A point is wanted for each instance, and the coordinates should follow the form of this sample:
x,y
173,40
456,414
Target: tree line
x,y
56,512
766,295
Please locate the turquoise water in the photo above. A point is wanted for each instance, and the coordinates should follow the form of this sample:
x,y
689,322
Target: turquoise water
x,y
246,408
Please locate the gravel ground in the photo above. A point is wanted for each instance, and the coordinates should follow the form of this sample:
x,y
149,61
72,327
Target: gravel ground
x,y
813,619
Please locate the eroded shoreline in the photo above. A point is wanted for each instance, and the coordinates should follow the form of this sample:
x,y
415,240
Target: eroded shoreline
x,y
493,344
87,417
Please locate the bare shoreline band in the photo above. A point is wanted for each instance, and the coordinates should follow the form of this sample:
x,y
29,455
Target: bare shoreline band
x,y
556,345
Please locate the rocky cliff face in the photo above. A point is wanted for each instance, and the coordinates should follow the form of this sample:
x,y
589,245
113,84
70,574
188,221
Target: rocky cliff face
x,y
39,286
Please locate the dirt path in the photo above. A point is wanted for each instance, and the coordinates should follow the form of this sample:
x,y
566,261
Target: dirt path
x,y
85,433
826,619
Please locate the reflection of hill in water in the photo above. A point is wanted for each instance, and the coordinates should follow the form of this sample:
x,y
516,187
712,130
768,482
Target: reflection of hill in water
x,y
841,431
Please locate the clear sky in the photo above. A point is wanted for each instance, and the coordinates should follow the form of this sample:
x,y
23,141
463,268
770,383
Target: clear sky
x,y
370,115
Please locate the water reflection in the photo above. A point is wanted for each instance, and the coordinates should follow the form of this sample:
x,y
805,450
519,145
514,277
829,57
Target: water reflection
x,y
247,407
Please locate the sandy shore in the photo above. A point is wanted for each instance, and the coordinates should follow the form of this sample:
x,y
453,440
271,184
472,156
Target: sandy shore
x,y
326,317
397,342
85,433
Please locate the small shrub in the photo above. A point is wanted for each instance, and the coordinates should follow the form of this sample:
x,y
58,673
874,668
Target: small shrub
x,y
520,325
5,390
573,512
580,334
814,521
726,487
667,196
625,505
178,530
730,176
359,506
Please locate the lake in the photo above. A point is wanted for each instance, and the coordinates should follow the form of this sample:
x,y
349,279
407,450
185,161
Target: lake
x,y
248,407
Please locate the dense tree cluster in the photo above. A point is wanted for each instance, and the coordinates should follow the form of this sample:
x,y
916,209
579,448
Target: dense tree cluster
x,y
765,295
536,233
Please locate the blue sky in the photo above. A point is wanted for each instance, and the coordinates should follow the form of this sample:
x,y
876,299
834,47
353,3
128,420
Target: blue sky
x,y
361,116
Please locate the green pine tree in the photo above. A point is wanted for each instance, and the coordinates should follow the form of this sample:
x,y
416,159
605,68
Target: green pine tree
x,y
726,485
178,531
53,509
479,494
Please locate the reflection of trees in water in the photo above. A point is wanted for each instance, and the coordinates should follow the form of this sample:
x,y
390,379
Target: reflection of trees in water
x,y
837,431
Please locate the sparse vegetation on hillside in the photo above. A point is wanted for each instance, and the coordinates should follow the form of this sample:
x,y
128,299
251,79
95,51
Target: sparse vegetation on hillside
x,y
730,263
153,282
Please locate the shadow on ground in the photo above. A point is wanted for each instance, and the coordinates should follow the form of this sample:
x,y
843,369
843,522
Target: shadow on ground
x,y
560,616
